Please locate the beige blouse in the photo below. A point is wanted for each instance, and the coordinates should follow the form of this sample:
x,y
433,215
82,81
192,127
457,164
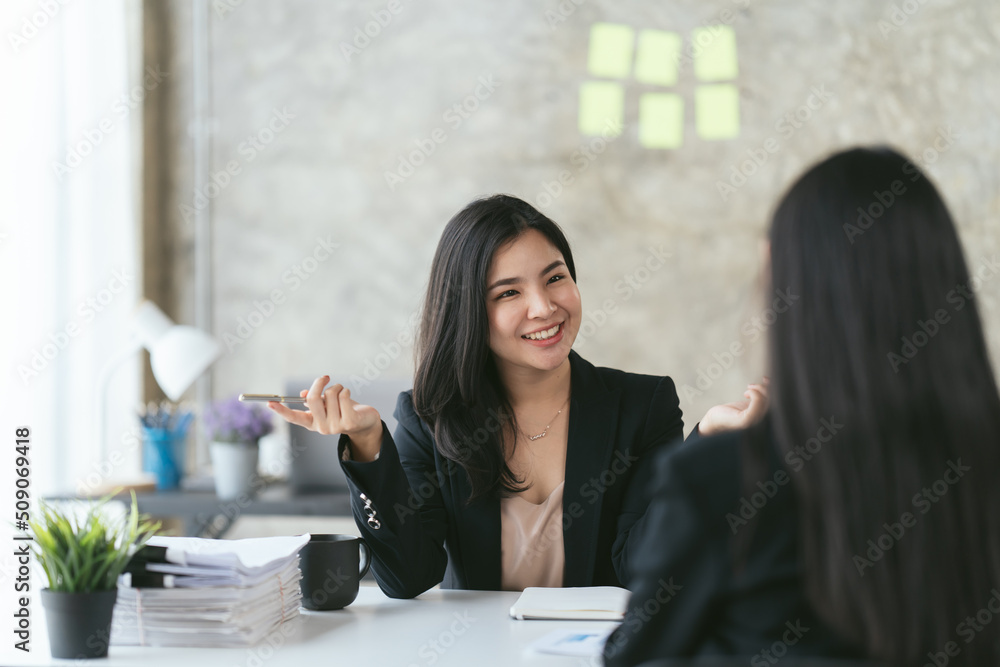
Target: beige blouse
x,y
531,542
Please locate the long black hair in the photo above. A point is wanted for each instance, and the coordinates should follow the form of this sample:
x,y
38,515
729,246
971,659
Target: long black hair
x,y
456,388
900,511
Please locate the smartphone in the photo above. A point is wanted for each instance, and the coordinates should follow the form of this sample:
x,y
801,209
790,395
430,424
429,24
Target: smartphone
x,y
272,397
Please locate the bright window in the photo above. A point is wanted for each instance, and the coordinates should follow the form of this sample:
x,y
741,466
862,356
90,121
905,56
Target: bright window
x,y
69,232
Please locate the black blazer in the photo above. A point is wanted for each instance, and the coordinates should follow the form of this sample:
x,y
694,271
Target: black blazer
x,y
687,597
426,533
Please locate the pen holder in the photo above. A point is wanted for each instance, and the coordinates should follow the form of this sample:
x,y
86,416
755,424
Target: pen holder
x,y
163,455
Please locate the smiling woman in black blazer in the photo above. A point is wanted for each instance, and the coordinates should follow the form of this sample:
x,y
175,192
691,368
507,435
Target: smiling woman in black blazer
x,y
515,461
616,420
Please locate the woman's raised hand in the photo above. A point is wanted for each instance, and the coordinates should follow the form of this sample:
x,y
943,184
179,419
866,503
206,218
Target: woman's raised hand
x,y
737,415
334,411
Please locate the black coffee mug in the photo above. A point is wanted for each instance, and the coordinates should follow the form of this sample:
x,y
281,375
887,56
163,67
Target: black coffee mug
x,y
332,567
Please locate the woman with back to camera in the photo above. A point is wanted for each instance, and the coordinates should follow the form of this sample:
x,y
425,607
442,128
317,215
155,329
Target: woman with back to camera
x,y
860,517
515,462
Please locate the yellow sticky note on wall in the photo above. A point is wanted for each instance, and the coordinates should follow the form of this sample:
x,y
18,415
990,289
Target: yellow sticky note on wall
x,y
661,120
610,50
656,57
602,108
717,111
714,49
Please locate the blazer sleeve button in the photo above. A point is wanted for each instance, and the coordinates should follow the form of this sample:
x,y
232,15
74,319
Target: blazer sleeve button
x,y
371,512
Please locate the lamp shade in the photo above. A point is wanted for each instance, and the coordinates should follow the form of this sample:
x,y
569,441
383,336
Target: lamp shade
x,y
179,356
177,353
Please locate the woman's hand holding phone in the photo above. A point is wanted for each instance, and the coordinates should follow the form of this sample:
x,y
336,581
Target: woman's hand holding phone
x,y
334,411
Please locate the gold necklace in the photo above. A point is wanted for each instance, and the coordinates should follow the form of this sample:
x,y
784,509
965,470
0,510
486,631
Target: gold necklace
x,y
547,427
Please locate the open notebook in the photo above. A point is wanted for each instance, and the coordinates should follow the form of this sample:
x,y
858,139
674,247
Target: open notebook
x,y
590,603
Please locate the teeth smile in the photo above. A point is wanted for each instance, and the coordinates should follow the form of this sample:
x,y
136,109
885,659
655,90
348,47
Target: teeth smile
x,y
542,335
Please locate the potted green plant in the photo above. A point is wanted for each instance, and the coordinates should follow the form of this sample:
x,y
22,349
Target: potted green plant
x,y
82,560
235,430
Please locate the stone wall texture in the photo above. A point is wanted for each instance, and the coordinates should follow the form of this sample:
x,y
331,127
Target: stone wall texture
x,y
332,112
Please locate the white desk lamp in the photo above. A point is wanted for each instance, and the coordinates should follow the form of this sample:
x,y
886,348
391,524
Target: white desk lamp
x,y
177,353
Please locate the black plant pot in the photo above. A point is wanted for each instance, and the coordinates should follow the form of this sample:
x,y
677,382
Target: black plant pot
x,y
79,623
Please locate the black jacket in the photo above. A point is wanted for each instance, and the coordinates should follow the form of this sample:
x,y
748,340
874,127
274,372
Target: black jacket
x,y
688,598
427,533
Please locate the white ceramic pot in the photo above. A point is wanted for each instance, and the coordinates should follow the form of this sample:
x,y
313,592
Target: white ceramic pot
x,y
235,466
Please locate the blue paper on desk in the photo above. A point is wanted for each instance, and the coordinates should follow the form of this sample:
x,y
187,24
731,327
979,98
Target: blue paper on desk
x,y
580,643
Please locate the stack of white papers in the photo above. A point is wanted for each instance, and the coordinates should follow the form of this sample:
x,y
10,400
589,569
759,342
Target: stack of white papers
x,y
212,592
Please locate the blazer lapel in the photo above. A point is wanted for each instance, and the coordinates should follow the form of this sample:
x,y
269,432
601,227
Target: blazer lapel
x,y
593,419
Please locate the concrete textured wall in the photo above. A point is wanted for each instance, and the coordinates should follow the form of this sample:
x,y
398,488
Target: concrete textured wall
x,y
901,73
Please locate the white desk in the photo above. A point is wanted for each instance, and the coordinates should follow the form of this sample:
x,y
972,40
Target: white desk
x,y
467,628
